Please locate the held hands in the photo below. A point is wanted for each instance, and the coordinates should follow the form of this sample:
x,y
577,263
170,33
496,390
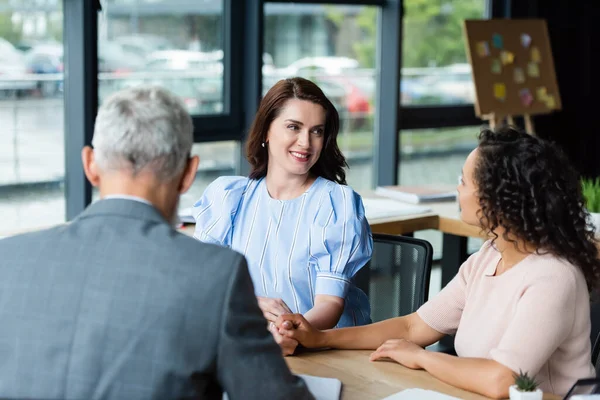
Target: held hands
x,y
287,345
295,326
402,351
271,309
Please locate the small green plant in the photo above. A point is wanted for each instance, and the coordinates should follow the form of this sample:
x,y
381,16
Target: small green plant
x,y
525,383
591,194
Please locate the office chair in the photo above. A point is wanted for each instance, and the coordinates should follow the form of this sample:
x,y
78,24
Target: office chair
x,y
595,332
396,280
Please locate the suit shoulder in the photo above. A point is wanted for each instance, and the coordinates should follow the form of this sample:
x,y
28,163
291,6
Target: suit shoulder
x,y
34,236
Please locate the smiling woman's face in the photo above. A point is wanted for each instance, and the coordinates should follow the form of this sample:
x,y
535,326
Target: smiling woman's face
x,y
295,138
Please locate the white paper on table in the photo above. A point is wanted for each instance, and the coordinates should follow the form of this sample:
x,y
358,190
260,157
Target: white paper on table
x,y
321,388
385,208
420,394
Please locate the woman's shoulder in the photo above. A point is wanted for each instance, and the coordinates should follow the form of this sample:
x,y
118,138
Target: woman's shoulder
x,y
341,199
547,266
228,183
339,193
224,191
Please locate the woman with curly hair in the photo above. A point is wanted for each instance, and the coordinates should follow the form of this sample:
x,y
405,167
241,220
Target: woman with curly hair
x,y
521,302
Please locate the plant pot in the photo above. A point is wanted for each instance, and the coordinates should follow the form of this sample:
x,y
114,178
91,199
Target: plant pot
x,y
516,394
595,220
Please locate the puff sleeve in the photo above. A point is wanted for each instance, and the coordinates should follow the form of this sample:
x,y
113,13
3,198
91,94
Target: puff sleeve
x,y
341,242
215,210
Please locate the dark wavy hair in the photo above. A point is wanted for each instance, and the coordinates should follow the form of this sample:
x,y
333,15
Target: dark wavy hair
x,y
527,186
330,164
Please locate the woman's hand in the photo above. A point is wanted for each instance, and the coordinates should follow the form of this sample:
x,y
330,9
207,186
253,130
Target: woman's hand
x,y
287,345
400,350
272,308
295,326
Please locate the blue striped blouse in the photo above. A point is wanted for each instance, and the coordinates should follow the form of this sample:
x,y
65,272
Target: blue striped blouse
x,y
296,249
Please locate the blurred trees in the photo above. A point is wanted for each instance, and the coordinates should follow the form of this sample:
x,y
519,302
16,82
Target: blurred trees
x,y
432,34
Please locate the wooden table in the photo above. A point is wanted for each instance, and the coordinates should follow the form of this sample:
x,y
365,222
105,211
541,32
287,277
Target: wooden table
x,y
365,380
444,217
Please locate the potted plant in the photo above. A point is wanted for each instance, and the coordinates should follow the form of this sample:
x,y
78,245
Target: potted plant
x,y
591,194
525,388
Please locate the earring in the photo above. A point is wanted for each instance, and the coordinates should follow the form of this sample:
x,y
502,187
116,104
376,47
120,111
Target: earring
x,y
263,144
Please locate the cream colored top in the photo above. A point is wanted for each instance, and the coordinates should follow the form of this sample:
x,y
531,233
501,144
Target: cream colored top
x,y
534,317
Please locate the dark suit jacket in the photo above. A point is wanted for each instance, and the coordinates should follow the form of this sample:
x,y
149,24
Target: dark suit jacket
x,y
118,305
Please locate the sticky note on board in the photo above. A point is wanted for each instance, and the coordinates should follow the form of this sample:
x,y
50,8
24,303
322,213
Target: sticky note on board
x,y
507,57
496,66
536,56
550,102
483,49
525,40
497,41
519,75
500,91
533,70
526,97
541,93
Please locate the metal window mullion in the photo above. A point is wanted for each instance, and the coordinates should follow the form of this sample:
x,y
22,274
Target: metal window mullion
x,y
81,96
387,121
251,36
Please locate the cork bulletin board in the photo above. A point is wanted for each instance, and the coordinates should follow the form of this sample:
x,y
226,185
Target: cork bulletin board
x,y
512,67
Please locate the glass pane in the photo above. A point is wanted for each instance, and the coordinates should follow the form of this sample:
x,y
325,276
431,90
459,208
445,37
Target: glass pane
x,y
157,42
31,110
216,159
334,46
435,69
436,156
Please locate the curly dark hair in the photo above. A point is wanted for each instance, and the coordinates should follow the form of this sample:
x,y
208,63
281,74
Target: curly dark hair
x,y
527,186
331,163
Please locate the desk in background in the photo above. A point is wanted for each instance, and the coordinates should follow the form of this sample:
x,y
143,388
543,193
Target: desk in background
x,y
365,380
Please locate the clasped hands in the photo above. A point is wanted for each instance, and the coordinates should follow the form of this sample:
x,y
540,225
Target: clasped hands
x,y
295,327
272,309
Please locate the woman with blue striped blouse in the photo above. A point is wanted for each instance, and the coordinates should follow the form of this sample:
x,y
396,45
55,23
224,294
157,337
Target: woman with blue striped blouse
x,y
302,230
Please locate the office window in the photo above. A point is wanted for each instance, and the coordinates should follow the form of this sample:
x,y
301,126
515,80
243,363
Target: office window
x,y
31,110
216,159
435,69
436,156
334,46
174,44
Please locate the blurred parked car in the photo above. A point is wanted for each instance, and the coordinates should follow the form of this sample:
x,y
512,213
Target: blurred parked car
x,y
188,90
319,66
113,58
13,70
443,85
186,60
143,45
46,59
455,84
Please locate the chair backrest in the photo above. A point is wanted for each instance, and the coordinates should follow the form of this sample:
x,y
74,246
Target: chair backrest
x,y
397,277
595,351
595,332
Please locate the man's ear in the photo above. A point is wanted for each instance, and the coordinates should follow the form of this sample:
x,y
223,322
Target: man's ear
x,y
189,173
89,165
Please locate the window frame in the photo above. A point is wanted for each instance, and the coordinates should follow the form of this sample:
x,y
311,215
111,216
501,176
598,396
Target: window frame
x,y
243,35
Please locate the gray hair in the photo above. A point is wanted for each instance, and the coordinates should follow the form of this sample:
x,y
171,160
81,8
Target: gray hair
x,y
143,127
